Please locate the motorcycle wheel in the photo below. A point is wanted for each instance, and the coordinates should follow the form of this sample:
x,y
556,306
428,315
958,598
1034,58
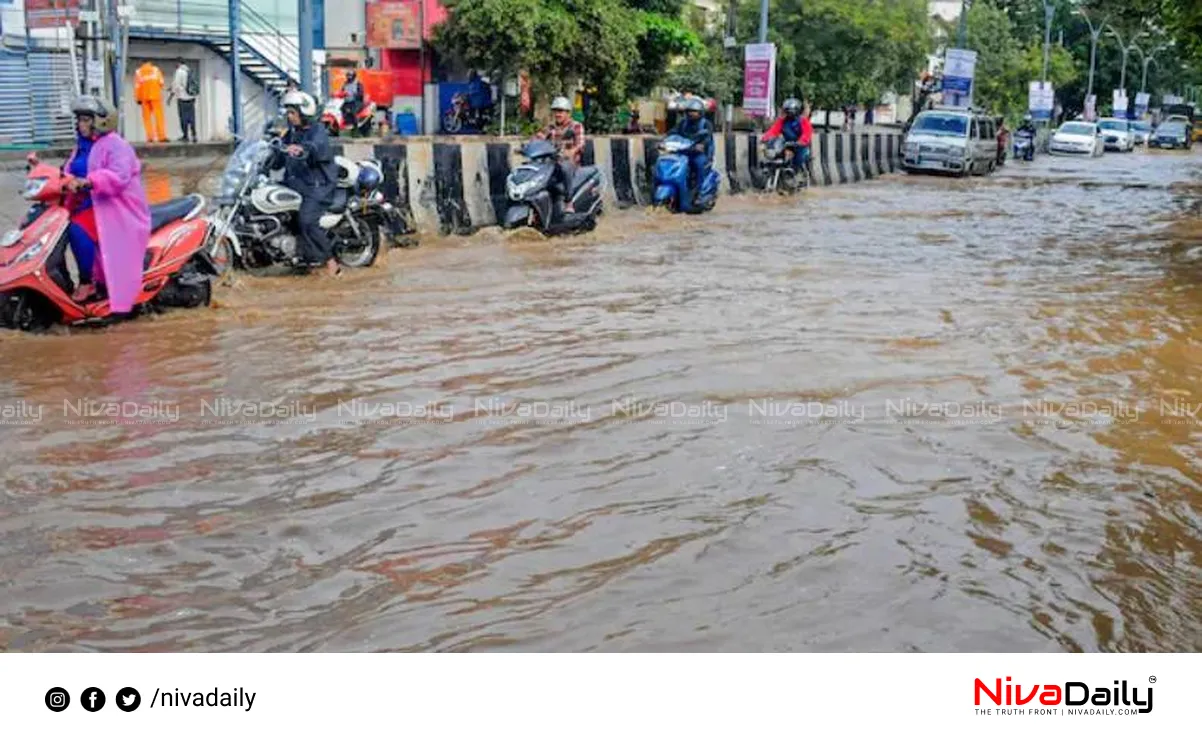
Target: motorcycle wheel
x,y
451,124
33,313
363,255
223,254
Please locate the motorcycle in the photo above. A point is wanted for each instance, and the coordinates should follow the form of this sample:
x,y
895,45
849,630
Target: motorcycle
x,y
335,121
531,202
671,177
782,177
1024,146
36,286
462,113
255,224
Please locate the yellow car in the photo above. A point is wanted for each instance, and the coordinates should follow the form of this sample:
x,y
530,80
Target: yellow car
x,y
1198,131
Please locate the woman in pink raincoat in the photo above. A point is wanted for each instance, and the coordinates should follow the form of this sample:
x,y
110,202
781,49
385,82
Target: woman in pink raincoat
x,y
110,217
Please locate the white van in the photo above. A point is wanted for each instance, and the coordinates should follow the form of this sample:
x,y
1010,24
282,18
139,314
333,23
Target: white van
x,y
951,140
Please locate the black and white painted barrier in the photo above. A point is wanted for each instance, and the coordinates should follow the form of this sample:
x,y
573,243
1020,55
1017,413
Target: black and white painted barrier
x,y
457,184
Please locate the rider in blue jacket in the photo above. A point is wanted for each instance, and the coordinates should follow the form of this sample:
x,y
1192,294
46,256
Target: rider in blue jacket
x,y
698,129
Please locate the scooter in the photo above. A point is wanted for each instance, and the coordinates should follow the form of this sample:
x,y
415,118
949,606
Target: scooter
x,y
782,177
335,122
255,226
1024,146
532,204
671,176
36,286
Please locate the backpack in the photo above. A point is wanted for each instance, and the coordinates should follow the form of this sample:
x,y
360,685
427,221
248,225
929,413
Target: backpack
x,y
192,87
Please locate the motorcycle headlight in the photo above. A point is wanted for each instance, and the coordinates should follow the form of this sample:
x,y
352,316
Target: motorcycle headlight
x,y
33,186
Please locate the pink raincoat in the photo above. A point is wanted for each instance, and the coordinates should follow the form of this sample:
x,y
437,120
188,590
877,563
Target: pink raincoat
x,y
122,218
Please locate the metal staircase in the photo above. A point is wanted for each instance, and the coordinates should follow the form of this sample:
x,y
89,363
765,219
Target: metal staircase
x,y
267,54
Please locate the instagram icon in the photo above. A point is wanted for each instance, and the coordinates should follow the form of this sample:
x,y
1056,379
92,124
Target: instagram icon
x,y
57,699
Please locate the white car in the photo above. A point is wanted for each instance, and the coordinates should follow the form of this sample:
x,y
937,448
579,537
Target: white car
x,y
1117,135
1142,131
1077,138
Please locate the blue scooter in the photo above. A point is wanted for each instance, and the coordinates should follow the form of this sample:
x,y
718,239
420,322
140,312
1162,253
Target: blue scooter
x,y
672,179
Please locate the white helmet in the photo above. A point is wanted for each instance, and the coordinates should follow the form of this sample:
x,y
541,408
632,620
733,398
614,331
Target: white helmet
x,y
561,104
304,103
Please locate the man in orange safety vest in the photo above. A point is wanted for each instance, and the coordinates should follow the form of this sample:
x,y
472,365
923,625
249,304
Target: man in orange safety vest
x,y
148,92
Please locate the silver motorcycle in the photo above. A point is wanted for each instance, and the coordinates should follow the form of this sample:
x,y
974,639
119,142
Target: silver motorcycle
x,y
255,223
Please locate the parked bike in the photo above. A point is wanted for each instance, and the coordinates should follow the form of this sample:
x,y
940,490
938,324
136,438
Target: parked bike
x,y
335,121
462,114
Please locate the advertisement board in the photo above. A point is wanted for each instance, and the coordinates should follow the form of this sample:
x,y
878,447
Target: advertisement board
x,y
1119,104
394,25
1041,100
959,69
1141,104
759,79
51,13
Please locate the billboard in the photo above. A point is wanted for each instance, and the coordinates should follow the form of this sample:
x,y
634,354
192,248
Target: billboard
x,y
1119,104
394,25
759,79
1041,100
959,69
51,13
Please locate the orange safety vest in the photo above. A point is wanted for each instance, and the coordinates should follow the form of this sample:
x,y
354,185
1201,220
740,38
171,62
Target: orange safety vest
x,y
148,83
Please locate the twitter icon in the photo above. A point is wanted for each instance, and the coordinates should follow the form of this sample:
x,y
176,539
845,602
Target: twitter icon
x,y
128,699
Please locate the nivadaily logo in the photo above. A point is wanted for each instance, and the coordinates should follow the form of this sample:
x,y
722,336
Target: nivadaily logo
x,y
1070,698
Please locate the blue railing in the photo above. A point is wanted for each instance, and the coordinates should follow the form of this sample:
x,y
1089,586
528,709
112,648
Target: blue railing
x,y
201,17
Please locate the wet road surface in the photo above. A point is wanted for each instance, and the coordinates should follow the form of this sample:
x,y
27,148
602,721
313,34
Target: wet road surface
x,y
916,414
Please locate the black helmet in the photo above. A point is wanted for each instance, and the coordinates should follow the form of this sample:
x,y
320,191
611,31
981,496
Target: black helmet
x,y
350,76
792,107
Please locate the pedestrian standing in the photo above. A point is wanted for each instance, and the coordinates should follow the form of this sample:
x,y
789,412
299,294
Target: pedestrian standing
x,y
184,88
148,92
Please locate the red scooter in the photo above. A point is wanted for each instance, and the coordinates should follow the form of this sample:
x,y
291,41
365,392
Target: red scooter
x,y
336,123
36,286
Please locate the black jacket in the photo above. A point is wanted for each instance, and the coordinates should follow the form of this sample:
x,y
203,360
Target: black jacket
x,y
313,174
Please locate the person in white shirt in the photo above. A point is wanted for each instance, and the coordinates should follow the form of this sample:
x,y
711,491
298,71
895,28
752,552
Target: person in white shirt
x,y
187,102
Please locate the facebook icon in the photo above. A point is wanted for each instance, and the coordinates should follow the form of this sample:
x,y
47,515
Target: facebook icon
x,y
92,699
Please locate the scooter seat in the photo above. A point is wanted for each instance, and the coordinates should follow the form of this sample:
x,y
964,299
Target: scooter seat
x,y
167,212
581,177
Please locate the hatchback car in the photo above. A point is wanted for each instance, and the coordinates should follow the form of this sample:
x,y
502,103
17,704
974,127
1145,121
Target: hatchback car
x,y
1142,131
1117,135
1171,135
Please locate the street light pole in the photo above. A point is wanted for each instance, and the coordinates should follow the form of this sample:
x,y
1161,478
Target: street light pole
x,y
962,37
1126,50
1095,33
1049,11
763,21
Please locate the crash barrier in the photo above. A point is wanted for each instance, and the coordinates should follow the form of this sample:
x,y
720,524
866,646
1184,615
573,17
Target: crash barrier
x,y
457,184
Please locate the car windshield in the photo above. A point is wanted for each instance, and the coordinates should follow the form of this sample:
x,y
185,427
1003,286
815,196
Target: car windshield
x,y
1114,126
1081,129
949,125
1171,127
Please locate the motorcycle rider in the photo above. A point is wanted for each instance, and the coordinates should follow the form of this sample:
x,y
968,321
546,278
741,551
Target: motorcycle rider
x,y
568,136
308,162
795,126
352,99
696,127
1028,126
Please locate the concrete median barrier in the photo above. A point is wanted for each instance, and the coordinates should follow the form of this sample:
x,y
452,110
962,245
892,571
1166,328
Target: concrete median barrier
x,y
456,185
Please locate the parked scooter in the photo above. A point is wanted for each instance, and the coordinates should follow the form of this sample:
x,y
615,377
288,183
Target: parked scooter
x,y
463,114
36,286
255,224
336,122
671,176
1024,146
531,202
782,176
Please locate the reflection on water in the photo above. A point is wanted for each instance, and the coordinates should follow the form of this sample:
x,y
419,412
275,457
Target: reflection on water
x,y
918,414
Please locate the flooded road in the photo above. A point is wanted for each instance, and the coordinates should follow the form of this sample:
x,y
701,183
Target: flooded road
x,y
916,414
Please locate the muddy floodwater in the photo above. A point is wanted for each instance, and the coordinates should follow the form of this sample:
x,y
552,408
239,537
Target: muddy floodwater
x,y
918,414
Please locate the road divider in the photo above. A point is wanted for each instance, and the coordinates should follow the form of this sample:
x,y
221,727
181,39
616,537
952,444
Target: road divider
x,y
456,185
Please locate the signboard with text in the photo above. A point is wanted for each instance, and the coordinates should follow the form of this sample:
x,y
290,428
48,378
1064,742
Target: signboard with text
x,y
1041,100
759,79
394,25
959,70
51,13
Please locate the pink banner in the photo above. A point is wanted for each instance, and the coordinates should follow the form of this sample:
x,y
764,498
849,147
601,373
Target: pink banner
x,y
758,79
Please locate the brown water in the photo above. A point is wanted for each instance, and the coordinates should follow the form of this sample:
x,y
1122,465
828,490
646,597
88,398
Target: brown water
x,y
727,521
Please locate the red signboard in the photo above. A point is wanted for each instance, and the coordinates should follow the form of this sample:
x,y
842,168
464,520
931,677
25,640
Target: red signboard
x,y
394,25
51,13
